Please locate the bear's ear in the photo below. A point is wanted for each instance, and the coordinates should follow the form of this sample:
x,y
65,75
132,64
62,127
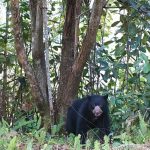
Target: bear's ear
x,y
106,96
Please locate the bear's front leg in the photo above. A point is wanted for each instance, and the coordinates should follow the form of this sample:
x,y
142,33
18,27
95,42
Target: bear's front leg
x,y
104,127
82,129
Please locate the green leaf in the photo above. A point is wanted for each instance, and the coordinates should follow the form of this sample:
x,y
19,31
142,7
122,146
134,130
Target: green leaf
x,y
12,144
96,145
120,51
2,59
113,100
115,23
29,145
108,42
121,66
143,57
77,144
143,126
132,29
148,78
142,49
146,68
132,79
104,64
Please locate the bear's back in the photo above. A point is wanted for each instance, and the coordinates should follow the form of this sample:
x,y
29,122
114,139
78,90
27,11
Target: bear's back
x,y
77,104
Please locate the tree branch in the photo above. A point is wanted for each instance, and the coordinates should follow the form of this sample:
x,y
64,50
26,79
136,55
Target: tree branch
x,y
88,42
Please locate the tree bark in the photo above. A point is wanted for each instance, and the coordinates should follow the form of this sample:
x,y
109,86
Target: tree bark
x,y
77,22
70,89
36,7
45,26
4,96
38,50
67,54
1,106
22,58
88,42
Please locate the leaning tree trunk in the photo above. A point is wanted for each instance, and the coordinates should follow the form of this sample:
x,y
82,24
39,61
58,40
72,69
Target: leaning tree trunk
x,y
37,94
70,88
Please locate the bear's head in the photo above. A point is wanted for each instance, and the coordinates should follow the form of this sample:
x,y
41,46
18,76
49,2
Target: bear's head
x,y
97,104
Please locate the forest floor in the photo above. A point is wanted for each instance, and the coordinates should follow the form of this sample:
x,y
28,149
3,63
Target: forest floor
x,y
121,147
15,140
66,147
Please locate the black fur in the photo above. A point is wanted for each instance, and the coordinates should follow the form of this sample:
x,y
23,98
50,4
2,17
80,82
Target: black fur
x,y
80,117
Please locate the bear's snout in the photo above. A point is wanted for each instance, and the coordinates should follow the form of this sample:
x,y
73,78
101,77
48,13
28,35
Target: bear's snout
x,y
97,111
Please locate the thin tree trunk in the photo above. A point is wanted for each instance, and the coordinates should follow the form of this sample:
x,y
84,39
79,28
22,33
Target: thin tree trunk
x,y
45,25
3,107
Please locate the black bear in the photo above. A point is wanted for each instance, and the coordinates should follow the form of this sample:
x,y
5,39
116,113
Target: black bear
x,y
88,113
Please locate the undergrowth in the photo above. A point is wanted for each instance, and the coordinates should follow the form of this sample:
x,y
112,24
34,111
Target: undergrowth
x,y
13,138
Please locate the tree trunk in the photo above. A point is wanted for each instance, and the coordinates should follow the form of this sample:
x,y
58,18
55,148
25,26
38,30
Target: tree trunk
x,y
77,31
22,58
4,97
39,64
37,45
70,88
1,105
45,26
67,55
